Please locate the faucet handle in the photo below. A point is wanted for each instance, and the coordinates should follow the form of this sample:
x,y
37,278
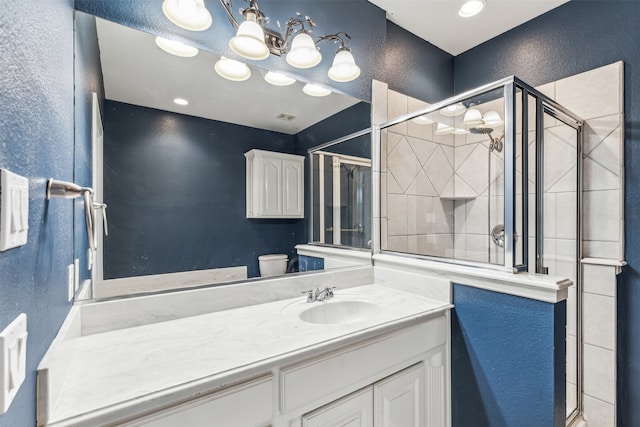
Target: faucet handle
x,y
310,296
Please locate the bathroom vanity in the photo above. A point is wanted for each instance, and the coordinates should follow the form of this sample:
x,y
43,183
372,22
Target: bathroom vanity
x,y
369,353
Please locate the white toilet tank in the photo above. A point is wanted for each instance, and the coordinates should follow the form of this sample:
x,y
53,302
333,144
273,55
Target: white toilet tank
x,y
272,265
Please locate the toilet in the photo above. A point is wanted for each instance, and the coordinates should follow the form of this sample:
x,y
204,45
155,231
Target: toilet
x,y
272,265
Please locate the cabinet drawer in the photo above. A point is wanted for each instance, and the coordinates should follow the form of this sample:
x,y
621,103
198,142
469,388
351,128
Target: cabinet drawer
x,y
348,370
247,405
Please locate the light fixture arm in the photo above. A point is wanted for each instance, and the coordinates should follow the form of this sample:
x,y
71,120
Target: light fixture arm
x,y
336,39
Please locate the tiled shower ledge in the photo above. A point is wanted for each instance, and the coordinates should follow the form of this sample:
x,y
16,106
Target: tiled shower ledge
x,y
534,286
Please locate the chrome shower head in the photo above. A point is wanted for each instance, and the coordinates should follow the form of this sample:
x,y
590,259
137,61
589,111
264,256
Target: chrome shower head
x,y
496,143
481,131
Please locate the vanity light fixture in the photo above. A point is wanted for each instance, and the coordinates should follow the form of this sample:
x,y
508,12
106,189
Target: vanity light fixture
x,y
472,118
315,90
233,70
254,40
453,110
278,79
249,39
471,8
188,14
493,119
303,53
443,129
344,68
181,101
422,120
176,48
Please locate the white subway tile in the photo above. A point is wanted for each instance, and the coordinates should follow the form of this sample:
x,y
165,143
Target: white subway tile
x,y
598,413
599,317
599,373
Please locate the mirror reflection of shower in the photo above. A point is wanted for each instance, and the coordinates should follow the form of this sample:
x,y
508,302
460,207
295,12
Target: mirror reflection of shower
x,y
343,209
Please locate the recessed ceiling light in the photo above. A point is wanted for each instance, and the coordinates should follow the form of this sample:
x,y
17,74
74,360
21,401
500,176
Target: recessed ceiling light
x,y
278,79
181,101
315,90
176,48
471,8
232,70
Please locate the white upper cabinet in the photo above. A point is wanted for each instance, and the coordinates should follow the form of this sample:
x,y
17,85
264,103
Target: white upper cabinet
x,y
275,185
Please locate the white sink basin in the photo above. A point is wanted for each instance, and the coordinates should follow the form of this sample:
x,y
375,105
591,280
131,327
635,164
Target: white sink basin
x,y
335,312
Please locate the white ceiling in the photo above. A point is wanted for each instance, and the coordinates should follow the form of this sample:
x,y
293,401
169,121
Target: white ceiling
x,y
437,21
136,71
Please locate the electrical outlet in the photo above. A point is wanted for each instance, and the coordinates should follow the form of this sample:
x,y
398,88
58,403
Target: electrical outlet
x,y
70,281
13,360
76,275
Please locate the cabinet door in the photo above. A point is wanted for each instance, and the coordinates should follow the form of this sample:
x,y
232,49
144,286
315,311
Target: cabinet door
x,y
399,400
293,188
354,410
271,187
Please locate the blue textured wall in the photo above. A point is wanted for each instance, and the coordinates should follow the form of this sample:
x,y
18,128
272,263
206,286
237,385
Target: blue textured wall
x,y
36,141
508,358
576,37
175,188
363,21
417,68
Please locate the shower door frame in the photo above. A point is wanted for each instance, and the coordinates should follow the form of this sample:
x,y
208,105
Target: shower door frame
x,y
337,161
511,86
369,162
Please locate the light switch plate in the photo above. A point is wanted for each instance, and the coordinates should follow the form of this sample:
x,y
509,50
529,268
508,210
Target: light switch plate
x,y
76,275
71,274
14,210
13,360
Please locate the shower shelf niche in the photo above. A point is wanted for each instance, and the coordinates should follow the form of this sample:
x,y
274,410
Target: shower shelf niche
x,y
458,198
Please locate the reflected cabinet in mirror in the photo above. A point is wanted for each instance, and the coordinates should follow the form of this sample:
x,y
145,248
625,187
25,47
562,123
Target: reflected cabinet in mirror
x,y
162,138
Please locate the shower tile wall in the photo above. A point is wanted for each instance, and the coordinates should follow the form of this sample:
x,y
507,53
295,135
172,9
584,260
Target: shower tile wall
x,y
417,173
420,174
597,96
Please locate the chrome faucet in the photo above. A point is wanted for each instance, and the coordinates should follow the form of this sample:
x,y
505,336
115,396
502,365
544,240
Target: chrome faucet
x,y
319,295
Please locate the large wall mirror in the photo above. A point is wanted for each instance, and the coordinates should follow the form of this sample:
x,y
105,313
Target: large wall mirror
x,y
173,175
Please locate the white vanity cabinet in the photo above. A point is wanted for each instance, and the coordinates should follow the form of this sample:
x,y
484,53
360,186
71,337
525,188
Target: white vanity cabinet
x,y
275,185
397,401
247,405
398,379
355,410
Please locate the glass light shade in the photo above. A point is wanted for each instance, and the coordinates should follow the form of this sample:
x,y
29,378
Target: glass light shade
x,y
278,79
188,14
314,90
443,129
422,120
232,70
344,68
303,53
471,8
472,118
249,41
493,119
176,48
453,110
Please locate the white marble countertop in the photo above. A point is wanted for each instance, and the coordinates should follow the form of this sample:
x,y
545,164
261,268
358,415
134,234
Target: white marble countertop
x,y
118,371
